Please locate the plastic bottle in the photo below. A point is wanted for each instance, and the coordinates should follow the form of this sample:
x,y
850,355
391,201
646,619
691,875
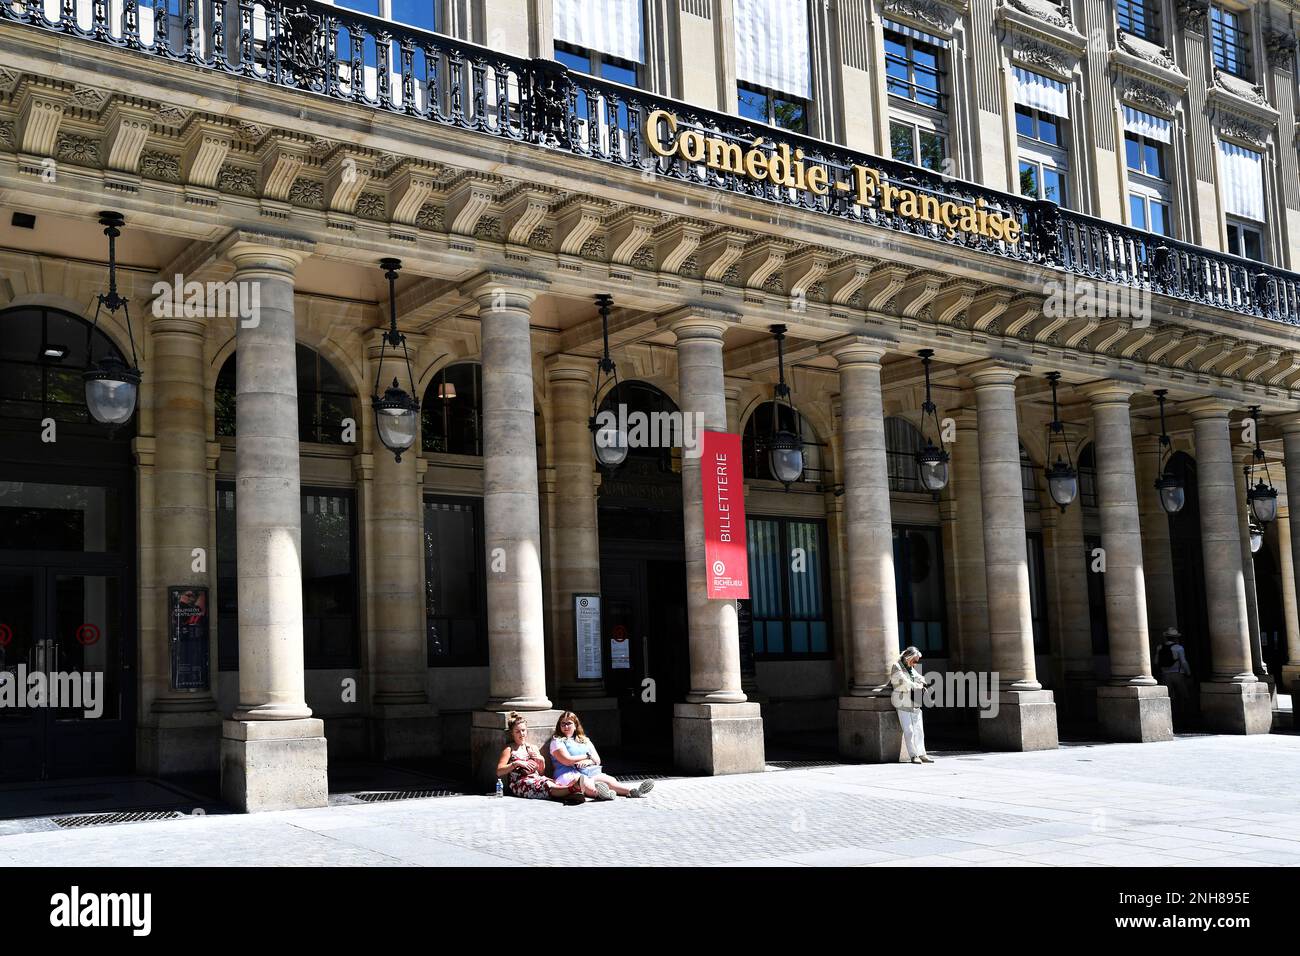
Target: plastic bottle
x,y
501,791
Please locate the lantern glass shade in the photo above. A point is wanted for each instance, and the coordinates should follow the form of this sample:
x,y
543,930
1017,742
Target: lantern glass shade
x,y
785,457
111,391
1062,483
1263,503
1172,493
396,420
1256,539
932,467
610,444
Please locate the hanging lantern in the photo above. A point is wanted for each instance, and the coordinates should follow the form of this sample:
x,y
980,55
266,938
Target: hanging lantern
x,y
1260,493
932,459
1062,478
784,447
397,412
112,386
608,438
1170,486
1256,537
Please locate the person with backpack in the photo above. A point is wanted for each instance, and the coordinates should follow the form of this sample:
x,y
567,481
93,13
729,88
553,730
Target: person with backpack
x,y
1174,672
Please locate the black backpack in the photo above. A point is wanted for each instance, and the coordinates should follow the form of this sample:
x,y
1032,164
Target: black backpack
x,y
1165,656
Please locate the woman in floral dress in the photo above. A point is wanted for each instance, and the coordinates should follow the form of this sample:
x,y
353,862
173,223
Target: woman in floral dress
x,y
524,764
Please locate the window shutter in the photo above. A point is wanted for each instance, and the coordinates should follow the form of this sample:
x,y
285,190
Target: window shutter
x,y
614,27
772,45
1144,124
1242,172
1042,93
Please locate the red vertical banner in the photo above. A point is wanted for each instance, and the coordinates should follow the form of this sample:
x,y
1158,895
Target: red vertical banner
x,y
726,560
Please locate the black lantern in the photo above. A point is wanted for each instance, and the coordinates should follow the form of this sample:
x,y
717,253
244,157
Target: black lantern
x,y
1256,536
784,447
1260,494
932,459
1170,487
111,385
397,412
608,437
1062,479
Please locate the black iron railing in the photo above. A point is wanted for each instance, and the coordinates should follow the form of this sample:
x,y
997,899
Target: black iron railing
x,y
333,52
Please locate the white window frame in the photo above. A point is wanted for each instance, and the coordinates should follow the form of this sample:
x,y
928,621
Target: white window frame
x,y
1246,225
1149,188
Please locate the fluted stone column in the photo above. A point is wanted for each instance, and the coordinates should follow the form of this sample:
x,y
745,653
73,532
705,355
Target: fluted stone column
x,y
511,522
1232,700
1026,716
1068,615
403,722
1131,706
868,727
1157,557
179,730
273,753
716,730
575,538
1248,568
1291,463
970,586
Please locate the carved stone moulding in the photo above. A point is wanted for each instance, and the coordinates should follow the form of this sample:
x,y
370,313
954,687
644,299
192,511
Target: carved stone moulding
x,y
1238,127
1144,49
1058,15
1149,97
1244,89
1043,56
941,16
1279,47
1039,40
1191,14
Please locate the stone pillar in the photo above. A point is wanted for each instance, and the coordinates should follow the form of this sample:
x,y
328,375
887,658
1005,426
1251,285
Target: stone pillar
x,y
575,539
1065,556
733,388
970,585
1232,700
1291,556
716,730
273,753
511,522
1248,568
403,722
179,730
1026,716
1290,607
868,727
1157,558
1131,706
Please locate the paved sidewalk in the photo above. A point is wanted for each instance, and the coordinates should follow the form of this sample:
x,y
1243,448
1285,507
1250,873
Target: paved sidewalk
x,y
1197,801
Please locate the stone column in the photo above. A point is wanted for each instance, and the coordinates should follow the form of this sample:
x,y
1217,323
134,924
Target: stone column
x,y
1232,700
1065,555
868,727
1291,557
733,388
716,730
971,587
575,538
180,729
1290,610
1157,558
403,722
1248,567
1131,706
1026,716
511,522
273,753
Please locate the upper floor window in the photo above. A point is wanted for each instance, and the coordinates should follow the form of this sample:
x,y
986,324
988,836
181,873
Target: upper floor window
x,y
597,64
1035,124
909,143
1241,182
1148,174
1139,17
605,38
773,74
324,399
451,420
416,13
1230,41
915,68
1042,118
1245,240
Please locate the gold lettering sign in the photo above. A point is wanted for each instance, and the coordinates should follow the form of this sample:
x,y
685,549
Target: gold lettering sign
x,y
868,187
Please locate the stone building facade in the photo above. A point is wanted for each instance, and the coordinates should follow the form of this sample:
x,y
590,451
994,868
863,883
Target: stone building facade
x,y
1108,191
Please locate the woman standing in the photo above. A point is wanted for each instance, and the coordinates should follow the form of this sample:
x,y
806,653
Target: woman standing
x,y
576,759
524,765
906,681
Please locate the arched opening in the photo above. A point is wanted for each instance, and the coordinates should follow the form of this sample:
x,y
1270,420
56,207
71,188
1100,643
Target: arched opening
x,y
67,550
902,443
451,414
760,427
325,400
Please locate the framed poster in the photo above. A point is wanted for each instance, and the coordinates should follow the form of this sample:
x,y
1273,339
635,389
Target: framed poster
x,y
188,637
586,625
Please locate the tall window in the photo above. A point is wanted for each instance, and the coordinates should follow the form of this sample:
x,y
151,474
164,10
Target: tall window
x,y
1148,182
324,399
787,588
759,426
902,442
773,71
1043,159
455,600
329,585
451,414
918,580
42,356
1245,239
1241,183
915,70
768,106
911,143
1230,41
1139,17
595,63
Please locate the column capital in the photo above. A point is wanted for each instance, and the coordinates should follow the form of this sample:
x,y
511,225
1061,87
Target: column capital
x,y
1289,422
992,373
855,349
498,291
264,252
563,367
177,325
1108,392
698,322
1201,409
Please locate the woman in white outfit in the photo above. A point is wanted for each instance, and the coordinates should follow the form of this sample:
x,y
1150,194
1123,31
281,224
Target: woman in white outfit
x,y
906,680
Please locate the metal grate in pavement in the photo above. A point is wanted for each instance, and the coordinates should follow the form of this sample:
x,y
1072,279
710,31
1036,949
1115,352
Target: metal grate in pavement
x,y
124,816
796,764
390,795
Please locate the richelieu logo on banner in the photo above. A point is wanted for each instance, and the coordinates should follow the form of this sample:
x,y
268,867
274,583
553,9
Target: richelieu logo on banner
x,y
726,560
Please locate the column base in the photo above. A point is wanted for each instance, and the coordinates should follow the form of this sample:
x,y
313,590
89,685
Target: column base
x,y
715,739
1229,707
274,764
869,730
177,743
601,719
1290,675
405,732
1079,698
1135,713
1025,720
487,737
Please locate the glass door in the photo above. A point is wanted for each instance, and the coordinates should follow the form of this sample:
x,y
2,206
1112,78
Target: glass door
x,y
22,654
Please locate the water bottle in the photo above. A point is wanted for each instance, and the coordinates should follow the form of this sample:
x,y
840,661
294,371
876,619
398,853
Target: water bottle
x,y
501,791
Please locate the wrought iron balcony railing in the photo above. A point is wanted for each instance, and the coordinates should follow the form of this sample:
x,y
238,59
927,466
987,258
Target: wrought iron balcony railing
x,y
333,52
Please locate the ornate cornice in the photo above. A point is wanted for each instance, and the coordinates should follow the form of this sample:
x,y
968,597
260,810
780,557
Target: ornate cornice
x,y
1147,97
1146,50
1191,14
938,15
1237,127
1038,40
1280,47
1046,11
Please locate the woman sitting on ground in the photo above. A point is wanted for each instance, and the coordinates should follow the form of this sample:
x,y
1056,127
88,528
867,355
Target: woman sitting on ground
x,y
525,766
576,759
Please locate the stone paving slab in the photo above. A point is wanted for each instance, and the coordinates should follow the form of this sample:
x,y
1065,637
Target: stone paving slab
x,y
1195,801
